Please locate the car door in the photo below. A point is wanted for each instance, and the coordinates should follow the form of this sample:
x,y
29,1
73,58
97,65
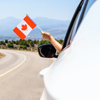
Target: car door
x,y
65,78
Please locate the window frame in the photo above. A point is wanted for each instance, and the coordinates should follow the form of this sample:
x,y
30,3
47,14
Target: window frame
x,y
82,4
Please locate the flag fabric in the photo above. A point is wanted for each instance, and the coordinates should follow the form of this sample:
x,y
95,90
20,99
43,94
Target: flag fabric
x,y
24,27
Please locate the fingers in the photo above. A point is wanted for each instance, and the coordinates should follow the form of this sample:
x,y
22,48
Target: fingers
x,y
42,32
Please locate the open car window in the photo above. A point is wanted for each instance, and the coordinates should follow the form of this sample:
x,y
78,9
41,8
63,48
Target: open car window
x,y
78,16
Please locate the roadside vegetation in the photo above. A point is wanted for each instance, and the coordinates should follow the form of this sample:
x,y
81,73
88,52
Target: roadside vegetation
x,y
30,45
1,55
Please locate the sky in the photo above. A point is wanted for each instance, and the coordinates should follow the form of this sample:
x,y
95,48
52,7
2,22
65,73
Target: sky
x,y
54,9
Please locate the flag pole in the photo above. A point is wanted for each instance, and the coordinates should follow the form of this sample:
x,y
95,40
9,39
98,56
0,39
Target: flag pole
x,y
39,28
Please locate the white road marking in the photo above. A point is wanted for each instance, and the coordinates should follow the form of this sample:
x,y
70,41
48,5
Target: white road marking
x,y
12,69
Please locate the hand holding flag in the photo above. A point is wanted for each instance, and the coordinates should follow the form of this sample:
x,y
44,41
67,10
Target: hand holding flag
x,y
25,27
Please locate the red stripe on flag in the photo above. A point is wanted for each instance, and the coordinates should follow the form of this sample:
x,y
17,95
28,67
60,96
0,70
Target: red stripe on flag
x,y
29,22
19,33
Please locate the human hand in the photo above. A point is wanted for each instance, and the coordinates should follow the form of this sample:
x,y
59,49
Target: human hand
x,y
49,37
46,35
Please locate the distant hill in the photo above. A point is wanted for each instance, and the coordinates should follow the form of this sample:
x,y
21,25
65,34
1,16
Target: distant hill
x,y
8,23
57,28
50,23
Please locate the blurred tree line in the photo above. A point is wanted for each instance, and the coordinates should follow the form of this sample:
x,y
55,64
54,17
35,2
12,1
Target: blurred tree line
x,y
26,43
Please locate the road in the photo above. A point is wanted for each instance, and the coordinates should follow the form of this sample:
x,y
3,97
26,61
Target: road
x,y
19,75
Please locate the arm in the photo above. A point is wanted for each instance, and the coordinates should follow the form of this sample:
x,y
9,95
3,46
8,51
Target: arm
x,y
49,37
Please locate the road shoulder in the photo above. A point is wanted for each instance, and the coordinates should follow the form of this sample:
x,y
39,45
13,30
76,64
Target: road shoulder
x,y
1,55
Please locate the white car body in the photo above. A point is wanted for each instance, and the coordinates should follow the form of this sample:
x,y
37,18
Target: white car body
x,y
75,75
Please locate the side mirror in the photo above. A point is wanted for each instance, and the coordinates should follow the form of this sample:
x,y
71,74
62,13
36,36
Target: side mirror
x,y
47,50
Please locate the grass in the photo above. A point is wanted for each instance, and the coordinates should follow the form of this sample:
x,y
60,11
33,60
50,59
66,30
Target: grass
x,y
36,51
1,55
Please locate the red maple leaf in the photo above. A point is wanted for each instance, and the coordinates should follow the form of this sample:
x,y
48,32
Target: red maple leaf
x,y
24,27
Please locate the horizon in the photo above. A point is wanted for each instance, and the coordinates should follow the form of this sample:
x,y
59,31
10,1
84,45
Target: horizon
x,y
56,27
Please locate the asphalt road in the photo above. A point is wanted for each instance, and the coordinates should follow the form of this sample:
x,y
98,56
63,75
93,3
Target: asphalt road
x,y
19,75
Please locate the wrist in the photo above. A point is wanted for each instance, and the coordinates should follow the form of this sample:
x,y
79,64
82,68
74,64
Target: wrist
x,y
51,38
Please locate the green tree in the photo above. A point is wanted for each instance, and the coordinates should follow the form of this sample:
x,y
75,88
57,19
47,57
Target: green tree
x,y
2,43
29,40
24,47
6,41
10,45
13,42
36,41
43,42
60,41
32,43
17,42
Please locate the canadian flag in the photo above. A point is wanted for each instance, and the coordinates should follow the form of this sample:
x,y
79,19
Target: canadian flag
x,y
24,27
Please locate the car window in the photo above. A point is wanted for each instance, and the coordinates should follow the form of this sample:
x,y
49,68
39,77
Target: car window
x,y
79,15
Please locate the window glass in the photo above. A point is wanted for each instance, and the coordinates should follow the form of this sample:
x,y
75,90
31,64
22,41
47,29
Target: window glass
x,y
86,6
